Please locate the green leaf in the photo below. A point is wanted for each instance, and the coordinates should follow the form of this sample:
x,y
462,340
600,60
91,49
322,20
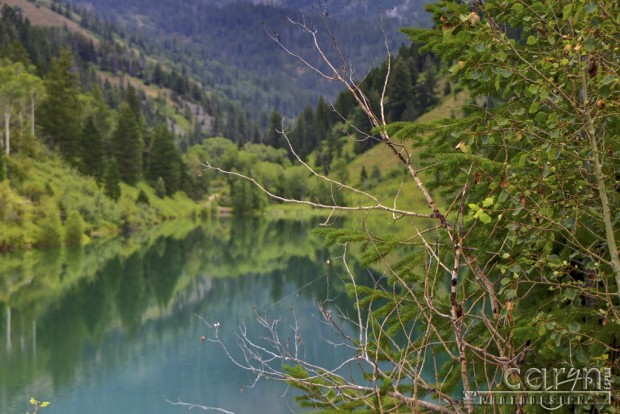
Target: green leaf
x,y
604,91
590,44
534,107
570,293
45,404
574,327
532,40
503,196
33,401
474,207
591,7
542,330
567,11
485,218
511,293
488,202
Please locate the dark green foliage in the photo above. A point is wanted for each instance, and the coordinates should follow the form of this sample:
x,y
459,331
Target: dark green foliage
x,y
363,176
246,198
160,187
112,180
143,198
375,174
227,50
134,101
61,111
273,137
127,145
165,161
50,231
401,86
74,228
93,156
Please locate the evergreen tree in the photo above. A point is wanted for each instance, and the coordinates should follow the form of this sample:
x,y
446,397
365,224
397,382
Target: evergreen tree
x,y
299,137
143,198
165,160
273,137
363,176
134,101
112,179
310,139
323,120
401,90
241,128
127,145
93,161
61,110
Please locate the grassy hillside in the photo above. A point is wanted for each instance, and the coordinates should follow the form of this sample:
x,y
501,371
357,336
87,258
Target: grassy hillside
x,y
393,186
40,15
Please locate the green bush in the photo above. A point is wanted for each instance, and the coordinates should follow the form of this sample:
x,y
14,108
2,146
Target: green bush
x,y
160,188
50,231
74,228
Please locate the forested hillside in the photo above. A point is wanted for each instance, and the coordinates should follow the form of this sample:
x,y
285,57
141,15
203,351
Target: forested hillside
x,y
226,44
117,114
78,152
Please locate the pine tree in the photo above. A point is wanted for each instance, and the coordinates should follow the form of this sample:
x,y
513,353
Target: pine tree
x,y
93,162
127,145
111,180
134,101
322,120
401,90
273,137
363,176
61,110
165,160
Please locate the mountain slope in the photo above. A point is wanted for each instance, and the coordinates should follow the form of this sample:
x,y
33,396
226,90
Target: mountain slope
x,y
225,43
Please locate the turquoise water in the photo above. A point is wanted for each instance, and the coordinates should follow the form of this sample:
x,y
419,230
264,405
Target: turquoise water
x,y
116,327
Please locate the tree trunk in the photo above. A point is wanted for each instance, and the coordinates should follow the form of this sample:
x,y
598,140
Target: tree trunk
x,y
7,132
32,105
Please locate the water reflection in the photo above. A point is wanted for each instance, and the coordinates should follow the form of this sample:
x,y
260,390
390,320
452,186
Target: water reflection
x,y
112,327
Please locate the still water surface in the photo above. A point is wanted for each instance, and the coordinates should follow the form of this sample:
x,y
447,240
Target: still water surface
x,y
113,327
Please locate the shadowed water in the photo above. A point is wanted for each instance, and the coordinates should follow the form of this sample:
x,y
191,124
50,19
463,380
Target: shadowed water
x,y
113,327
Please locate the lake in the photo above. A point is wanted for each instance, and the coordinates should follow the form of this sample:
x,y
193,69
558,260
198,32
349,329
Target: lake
x,y
116,326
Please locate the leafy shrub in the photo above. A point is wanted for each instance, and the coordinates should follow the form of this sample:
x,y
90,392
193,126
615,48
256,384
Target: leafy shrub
x,y
50,231
160,188
74,228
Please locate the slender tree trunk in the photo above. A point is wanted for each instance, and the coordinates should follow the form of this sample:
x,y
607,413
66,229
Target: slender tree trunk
x,y
7,131
8,328
21,127
600,183
32,106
